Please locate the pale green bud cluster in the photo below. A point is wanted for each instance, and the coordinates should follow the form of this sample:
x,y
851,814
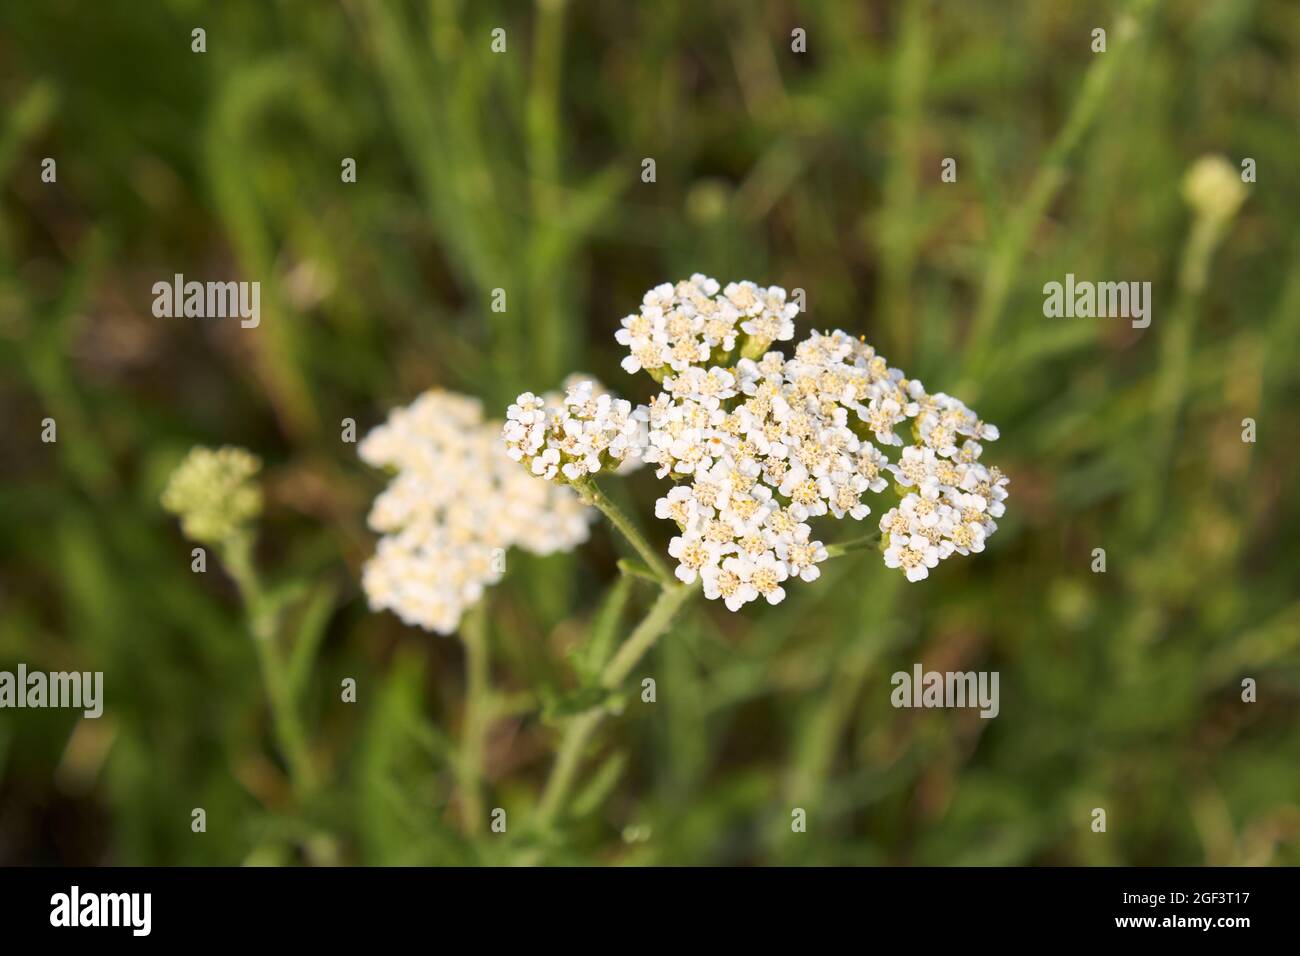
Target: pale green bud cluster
x,y
213,493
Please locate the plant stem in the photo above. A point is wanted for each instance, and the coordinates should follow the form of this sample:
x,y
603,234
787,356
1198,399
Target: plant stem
x,y
1172,374
284,718
592,493
578,733
581,727
645,634
565,768
899,237
633,570
543,143
476,719
841,548
1014,238
263,623
831,712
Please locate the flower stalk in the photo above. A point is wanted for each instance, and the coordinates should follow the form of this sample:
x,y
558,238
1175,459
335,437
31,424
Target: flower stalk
x,y
593,495
263,615
477,718
644,636
214,494
581,727
856,544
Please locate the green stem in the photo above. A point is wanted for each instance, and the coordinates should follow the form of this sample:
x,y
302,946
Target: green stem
x,y
543,152
645,634
633,570
899,236
284,718
841,548
581,727
830,713
591,493
477,719
567,759
1173,372
1014,238
263,623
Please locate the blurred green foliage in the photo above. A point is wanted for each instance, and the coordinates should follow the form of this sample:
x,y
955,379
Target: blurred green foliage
x,y
521,171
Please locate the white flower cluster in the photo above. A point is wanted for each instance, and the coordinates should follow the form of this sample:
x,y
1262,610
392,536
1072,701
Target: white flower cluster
x,y
759,444
682,325
582,432
456,504
950,512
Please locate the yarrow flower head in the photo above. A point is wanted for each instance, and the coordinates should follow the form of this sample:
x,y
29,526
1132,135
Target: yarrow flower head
x,y
214,494
454,507
758,443
685,324
582,432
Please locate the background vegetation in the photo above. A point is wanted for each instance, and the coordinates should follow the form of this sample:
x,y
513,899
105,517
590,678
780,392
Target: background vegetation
x,y
522,171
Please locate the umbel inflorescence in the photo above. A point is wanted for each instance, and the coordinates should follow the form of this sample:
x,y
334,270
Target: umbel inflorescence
x,y
455,505
214,494
757,443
